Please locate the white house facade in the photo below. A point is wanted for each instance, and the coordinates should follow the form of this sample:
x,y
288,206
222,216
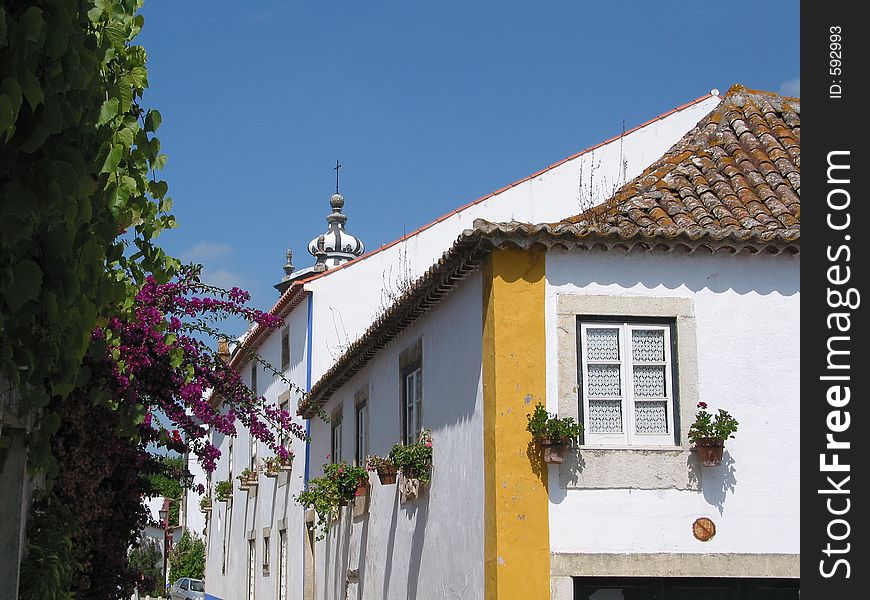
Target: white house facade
x,y
682,289
260,543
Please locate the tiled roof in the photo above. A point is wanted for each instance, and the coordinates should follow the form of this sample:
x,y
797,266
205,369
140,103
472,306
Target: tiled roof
x,y
737,172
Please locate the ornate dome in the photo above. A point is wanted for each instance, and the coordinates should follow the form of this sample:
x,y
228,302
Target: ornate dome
x,y
336,246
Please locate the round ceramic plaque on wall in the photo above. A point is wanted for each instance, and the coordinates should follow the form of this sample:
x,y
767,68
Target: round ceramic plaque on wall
x,y
703,529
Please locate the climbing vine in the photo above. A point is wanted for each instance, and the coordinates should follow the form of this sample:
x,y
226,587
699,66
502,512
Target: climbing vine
x,y
82,204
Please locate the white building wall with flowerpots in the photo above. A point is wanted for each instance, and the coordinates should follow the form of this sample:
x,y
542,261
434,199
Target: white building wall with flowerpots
x,y
269,507
345,302
431,547
746,312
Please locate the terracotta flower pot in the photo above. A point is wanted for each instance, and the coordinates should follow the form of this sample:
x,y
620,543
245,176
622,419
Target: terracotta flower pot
x,y
362,487
387,475
710,450
554,451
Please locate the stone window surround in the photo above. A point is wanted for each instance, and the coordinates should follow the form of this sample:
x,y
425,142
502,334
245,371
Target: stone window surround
x,y
628,468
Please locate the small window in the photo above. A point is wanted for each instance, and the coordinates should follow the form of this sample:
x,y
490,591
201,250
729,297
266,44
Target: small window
x,y
284,438
230,461
626,373
254,379
253,465
362,431
285,348
412,396
282,564
252,560
265,554
336,438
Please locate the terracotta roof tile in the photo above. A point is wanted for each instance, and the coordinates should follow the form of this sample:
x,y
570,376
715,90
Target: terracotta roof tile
x,y
737,169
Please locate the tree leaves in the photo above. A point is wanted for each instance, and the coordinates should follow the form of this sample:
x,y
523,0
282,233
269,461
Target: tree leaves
x,y
26,283
108,111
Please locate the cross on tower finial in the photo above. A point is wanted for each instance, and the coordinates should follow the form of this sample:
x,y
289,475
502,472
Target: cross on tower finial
x,y
337,167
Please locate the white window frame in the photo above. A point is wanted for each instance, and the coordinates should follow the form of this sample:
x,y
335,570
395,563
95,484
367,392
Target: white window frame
x,y
412,403
252,573
628,437
362,431
285,349
254,386
282,564
336,433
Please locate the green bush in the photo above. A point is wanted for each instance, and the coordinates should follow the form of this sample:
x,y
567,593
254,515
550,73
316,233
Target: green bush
x,y
187,558
147,558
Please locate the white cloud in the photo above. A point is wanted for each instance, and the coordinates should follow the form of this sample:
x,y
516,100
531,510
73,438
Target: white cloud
x,y
205,250
223,278
792,87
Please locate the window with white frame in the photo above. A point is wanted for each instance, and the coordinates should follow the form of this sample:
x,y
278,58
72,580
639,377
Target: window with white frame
x,y
252,574
285,349
282,564
362,429
284,438
336,438
253,465
412,395
254,378
626,370
266,554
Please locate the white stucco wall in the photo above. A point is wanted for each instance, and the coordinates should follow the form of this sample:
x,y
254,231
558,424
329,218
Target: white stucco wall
x,y
271,505
747,318
346,300
431,547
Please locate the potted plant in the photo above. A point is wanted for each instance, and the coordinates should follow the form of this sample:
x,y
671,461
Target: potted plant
x,y
338,485
414,460
322,495
205,504
709,433
348,479
275,464
223,490
552,433
384,467
247,479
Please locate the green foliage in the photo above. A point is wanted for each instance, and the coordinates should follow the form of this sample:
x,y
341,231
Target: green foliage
x,y
325,494
414,460
147,559
81,203
167,483
543,425
187,558
51,556
205,502
223,490
721,426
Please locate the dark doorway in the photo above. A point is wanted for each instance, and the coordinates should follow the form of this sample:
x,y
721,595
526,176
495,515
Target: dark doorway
x,y
684,588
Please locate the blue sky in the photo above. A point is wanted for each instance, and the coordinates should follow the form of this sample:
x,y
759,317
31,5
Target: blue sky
x,y
427,105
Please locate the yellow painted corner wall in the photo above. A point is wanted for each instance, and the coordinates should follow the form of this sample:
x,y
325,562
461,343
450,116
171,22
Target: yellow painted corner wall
x,y
516,528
